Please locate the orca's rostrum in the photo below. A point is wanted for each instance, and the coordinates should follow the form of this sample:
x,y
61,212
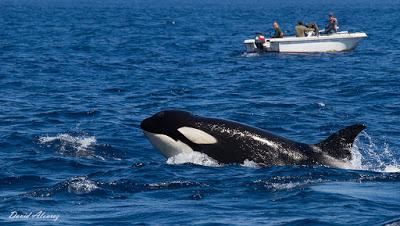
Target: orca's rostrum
x,y
174,132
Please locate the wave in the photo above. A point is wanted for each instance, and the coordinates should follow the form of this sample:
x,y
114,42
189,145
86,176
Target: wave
x,y
22,181
270,179
82,185
76,185
172,185
196,158
80,143
285,185
78,146
250,164
245,54
291,178
68,114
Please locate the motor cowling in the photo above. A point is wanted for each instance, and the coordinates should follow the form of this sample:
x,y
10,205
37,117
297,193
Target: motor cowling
x,y
259,40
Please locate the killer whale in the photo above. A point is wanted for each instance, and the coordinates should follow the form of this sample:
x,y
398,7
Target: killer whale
x,y
173,132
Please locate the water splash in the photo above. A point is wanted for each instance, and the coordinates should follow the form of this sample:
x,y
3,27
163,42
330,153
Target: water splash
x,y
250,54
66,144
81,185
250,164
79,142
276,185
193,157
321,104
172,185
369,155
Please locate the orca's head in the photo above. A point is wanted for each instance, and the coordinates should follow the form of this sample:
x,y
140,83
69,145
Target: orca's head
x,y
166,122
173,132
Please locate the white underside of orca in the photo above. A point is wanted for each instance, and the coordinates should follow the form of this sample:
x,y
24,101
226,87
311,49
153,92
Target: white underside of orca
x,y
178,152
167,146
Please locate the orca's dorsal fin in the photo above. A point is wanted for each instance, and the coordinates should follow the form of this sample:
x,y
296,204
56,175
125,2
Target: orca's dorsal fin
x,y
338,145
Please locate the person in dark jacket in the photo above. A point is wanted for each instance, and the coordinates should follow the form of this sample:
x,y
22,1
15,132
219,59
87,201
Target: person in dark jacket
x,y
278,31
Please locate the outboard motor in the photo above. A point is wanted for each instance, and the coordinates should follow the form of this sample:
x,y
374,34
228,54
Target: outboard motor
x,y
259,40
258,44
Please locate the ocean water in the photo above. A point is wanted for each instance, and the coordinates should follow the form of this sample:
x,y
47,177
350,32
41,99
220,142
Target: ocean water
x,y
77,77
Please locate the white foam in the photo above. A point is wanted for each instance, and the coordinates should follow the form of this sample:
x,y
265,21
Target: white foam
x,y
193,157
167,184
285,186
78,142
250,164
278,186
391,169
81,185
250,54
76,145
369,156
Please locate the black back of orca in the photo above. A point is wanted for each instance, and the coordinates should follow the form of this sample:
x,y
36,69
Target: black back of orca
x,y
232,142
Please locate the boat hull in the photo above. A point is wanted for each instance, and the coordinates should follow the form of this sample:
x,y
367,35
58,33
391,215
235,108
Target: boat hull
x,y
329,43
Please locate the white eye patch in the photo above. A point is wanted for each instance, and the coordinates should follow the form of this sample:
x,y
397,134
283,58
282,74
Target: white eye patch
x,y
197,136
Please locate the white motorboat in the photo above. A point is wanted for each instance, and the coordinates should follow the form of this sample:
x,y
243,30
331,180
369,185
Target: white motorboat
x,y
340,41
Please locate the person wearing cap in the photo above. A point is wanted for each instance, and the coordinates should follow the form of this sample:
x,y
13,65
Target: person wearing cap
x,y
332,24
301,29
278,32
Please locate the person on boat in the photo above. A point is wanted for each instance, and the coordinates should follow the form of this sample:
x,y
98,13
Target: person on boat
x,y
332,25
315,28
278,32
301,29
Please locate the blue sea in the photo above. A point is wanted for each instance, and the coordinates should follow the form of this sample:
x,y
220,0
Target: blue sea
x,y
78,76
